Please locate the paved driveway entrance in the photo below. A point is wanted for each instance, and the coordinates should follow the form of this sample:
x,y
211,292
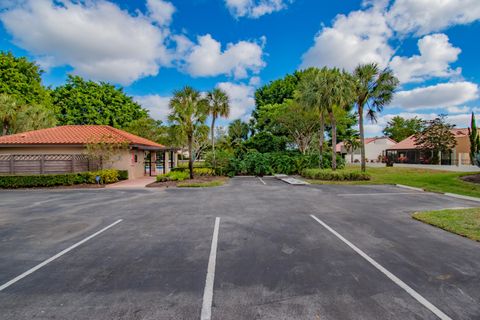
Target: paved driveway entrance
x,y
254,249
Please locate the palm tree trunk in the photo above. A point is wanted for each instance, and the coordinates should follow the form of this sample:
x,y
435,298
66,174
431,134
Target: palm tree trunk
x,y
212,129
351,155
334,141
321,138
5,129
362,137
190,158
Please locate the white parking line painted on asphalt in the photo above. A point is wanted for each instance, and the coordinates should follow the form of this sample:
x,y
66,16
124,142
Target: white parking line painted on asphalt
x,y
387,273
261,180
58,255
206,313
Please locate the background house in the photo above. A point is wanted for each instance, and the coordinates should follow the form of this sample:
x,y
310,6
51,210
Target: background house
x,y
63,149
407,152
374,148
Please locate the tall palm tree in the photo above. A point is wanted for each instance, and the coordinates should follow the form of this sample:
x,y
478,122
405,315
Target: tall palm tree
x,y
237,132
351,142
219,106
188,110
310,94
9,108
337,94
374,89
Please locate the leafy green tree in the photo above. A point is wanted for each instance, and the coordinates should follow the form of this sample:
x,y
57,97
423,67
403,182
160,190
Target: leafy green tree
x,y
9,109
374,89
219,106
474,140
86,102
436,138
400,128
21,79
188,110
17,117
310,94
34,117
148,128
276,92
299,122
265,142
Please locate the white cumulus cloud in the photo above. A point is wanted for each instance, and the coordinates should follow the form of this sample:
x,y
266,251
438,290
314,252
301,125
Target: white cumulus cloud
x,y
255,8
359,37
436,54
241,98
161,11
442,95
425,16
96,38
206,58
156,105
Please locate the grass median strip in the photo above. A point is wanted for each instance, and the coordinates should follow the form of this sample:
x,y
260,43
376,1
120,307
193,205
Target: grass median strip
x,y
465,222
206,184
430,180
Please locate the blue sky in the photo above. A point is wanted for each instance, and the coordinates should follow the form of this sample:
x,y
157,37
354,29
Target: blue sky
x,y
152,47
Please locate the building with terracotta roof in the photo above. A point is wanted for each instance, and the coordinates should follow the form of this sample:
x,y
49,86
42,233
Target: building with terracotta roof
x,y
139,157
374,149
406,151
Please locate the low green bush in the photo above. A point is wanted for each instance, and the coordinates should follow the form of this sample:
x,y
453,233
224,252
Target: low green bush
x,y
52,180
173,176
107,176
197,171
122,174
339,175
256,163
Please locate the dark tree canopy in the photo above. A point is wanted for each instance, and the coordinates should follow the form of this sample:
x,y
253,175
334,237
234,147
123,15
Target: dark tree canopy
x,y
277,91
400,128
87,102
21,79
436,137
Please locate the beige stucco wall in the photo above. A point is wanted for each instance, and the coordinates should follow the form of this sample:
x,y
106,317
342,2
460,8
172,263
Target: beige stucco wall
x,y
372,150
123,161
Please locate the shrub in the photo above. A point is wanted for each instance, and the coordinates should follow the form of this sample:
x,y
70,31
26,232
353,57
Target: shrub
x,y
51,180
340,175
106,176
173,176
198,171
222,163
122,174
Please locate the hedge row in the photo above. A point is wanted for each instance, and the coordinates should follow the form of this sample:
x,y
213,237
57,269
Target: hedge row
x,y
256,163
197,171
51,180
173,176
340,175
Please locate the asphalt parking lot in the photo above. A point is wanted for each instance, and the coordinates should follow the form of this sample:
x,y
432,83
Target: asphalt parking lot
x,y
254,249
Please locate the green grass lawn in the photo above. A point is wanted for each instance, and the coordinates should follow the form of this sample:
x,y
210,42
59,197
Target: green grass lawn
x,y
430,180
465,222
206,184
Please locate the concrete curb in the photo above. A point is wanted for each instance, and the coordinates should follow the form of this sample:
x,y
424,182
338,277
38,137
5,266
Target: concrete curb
x,y
453,195
410,188
458,196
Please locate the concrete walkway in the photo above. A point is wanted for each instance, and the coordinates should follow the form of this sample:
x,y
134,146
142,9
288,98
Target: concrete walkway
x,y
132,183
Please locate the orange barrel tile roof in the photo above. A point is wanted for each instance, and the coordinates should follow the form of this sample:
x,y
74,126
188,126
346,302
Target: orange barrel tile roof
x,y
76,134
